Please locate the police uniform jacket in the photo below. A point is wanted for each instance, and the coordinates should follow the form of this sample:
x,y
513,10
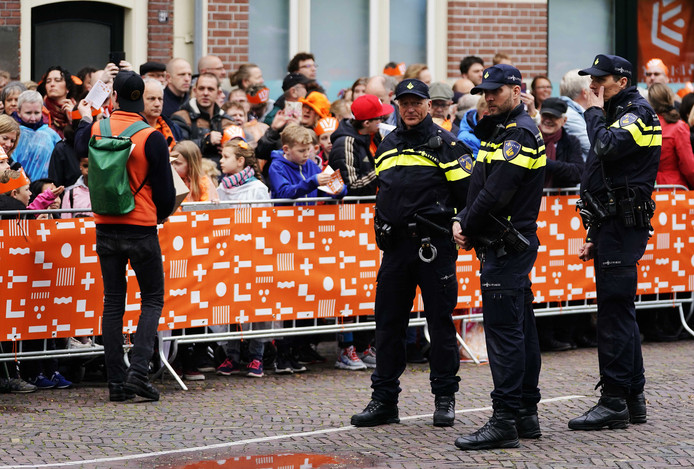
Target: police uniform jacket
x,y
418,175
625,142
509,175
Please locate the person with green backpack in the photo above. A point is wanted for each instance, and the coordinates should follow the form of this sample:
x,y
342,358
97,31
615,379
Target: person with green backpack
x,y
131,190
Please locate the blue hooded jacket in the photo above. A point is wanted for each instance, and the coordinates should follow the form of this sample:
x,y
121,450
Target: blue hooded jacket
x,y
467,131
292,181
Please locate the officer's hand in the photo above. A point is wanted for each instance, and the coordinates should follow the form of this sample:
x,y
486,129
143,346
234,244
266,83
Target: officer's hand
x,y
596,101
460,239
586,252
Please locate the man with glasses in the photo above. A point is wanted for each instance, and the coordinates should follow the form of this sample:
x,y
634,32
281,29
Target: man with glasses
x,y
423,174
441,101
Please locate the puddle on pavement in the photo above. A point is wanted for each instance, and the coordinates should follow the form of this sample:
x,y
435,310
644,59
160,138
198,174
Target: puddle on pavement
x,y
269,461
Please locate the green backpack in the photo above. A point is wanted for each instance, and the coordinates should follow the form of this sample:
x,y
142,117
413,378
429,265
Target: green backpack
x,y
109,184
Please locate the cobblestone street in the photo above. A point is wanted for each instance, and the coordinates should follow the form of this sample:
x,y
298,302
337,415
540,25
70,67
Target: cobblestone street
x,y
307,415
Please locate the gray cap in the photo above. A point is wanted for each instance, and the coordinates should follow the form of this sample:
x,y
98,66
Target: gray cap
x,y
440,90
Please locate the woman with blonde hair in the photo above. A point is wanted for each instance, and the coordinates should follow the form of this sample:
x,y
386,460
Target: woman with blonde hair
x,y
419,71
188,165
9,134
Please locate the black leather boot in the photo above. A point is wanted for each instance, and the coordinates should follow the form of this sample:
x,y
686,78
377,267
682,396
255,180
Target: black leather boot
x,y
499,432
116,393
444,415
141,386
527,423
637,408
611,412
376,413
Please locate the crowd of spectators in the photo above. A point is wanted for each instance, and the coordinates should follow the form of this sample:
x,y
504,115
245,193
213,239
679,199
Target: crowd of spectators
x,y
240,143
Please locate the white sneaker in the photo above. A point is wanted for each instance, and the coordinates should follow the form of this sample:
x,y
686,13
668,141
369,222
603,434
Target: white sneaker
x,y
348,360
369,357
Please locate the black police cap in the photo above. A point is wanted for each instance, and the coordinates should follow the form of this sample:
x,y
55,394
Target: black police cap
x,y
498,75
412,86
608,65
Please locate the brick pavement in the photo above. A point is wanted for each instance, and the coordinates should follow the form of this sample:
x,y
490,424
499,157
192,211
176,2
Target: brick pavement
x,y
228,417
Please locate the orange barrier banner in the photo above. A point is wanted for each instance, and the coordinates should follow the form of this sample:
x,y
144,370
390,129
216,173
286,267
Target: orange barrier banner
x,y
233,266
666,31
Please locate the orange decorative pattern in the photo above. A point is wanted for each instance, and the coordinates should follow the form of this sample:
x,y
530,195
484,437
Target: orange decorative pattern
x,y
259,264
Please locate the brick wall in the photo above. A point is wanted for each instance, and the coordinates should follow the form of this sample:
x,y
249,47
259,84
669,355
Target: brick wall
x,y
484,28
9,36
227,34
159,35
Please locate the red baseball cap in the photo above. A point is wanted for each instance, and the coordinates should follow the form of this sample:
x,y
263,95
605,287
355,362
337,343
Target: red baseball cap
x,y
368,106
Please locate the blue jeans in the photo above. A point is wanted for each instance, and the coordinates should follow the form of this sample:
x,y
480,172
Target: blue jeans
x,y
115,249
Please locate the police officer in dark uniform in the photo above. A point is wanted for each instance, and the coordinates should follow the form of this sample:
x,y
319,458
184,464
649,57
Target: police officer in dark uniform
x,y
500,222
616,207
423,174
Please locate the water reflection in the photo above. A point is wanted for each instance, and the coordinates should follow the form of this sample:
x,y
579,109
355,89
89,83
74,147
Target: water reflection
x,y
270,461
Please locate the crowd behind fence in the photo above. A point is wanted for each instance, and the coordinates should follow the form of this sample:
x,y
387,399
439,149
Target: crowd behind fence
x,y
228,266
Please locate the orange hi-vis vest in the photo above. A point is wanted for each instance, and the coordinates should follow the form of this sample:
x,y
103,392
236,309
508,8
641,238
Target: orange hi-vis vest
x,y
145,212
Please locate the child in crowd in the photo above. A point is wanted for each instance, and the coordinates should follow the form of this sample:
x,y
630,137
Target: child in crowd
x,y
4,161
45,195
242,181
77,195
324,129
188,165
36,139
9,134
15,185
187,161
292,174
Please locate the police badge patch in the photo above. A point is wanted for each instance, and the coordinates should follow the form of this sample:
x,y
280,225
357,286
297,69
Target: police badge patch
x,y
627,119
511,149
465,162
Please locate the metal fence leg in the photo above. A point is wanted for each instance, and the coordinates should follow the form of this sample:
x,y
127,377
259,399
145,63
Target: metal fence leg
x,y
684,320
467,349
166,366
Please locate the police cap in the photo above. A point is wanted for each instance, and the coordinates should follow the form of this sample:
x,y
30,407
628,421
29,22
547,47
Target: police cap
x,y
608,65
412,86
496,76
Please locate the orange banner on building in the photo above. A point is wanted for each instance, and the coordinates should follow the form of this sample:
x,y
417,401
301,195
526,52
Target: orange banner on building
x,y
666,31
233,266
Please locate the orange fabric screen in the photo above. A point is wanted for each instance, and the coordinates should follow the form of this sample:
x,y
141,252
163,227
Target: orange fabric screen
x,y
666,31
259,264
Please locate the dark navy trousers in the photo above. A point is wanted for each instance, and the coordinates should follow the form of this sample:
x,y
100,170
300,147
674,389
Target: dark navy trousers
x,y
509,327
618,250
401,272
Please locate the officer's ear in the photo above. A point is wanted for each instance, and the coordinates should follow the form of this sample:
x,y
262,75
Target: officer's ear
x,y
515,92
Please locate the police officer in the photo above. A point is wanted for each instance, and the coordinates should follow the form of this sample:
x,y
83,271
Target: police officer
x,y
423,174
500,222
616,206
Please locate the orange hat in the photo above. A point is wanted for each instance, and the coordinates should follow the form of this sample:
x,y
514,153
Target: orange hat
x,y
656,62
326,124
3,155
395,71
318,102
232,132
682,92
16,183
260,97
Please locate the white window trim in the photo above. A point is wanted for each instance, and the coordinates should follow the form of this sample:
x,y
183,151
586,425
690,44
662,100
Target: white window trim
x,y
135,40
379,34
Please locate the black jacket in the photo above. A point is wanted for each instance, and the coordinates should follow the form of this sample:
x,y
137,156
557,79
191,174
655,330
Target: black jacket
x,y
509,175
351,155
567,169
10,203
196,125
625,140
420,174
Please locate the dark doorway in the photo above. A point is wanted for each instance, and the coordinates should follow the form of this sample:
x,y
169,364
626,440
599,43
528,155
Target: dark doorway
x,y
74,35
